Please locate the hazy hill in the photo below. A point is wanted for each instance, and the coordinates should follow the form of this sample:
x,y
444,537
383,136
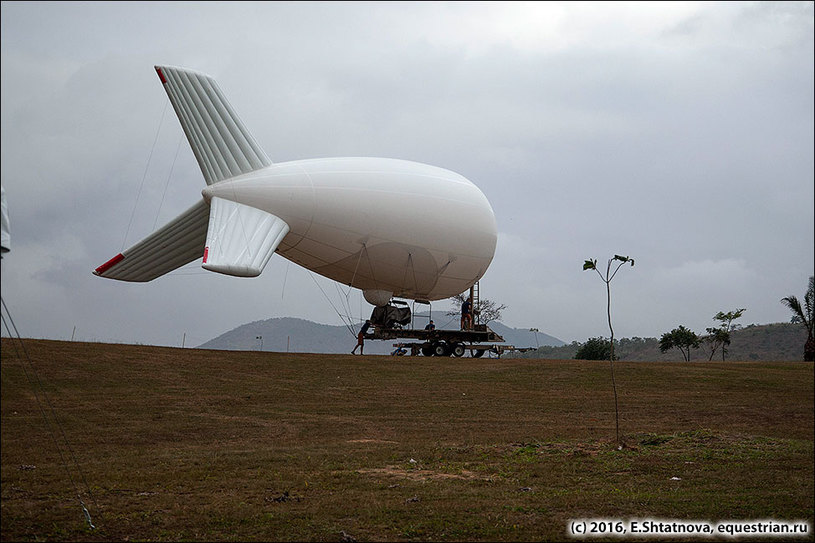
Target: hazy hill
x,y
766,342
302,336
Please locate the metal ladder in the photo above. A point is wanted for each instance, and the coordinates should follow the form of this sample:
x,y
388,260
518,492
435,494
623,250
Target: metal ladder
x,y
476,308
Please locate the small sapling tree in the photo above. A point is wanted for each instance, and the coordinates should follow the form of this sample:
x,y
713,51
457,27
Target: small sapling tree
x,y
619,261
720,337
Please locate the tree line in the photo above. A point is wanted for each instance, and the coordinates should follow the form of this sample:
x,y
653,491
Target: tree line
x,y
715,342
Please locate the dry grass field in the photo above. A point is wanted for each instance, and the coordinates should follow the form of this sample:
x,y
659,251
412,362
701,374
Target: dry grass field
x,y
186,444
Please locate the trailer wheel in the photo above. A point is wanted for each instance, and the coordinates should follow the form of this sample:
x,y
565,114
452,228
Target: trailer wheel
x,y
458,350
478,353
441,348
427,349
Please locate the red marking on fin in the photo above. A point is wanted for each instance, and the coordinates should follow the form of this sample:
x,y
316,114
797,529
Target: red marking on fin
x,y
206,252
161,76
110,263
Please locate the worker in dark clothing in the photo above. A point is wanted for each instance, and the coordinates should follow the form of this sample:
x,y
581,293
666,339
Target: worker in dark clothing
x,y
430,325
361,338
467,314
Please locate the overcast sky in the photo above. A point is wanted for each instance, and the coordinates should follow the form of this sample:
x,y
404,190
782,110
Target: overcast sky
x,y
678,134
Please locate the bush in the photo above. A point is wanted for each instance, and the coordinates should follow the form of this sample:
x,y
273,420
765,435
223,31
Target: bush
x,y
595,348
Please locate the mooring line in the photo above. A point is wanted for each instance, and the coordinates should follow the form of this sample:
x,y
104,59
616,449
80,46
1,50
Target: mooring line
x,y
36,384
144,176
167,184
350,329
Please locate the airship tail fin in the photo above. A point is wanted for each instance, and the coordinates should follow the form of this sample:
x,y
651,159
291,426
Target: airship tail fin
x,y
233,238
224,148
220,141
241,238
177,243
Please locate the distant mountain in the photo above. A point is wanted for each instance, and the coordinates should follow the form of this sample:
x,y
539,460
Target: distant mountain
x,y
287,335
764,342
301,336
523,337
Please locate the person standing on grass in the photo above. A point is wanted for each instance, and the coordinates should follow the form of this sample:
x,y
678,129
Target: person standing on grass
x,y
361,338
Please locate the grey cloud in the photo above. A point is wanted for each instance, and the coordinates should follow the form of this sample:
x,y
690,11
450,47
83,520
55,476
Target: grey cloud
x,y
690,150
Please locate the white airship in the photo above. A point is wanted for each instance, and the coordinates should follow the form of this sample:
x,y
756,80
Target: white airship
x,y
392,228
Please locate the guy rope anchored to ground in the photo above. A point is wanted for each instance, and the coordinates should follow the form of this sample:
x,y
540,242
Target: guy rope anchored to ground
x,y
55,428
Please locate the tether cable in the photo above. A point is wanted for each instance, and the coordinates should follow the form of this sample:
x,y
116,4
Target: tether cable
x,y
167,184
350,328
144,176
38,388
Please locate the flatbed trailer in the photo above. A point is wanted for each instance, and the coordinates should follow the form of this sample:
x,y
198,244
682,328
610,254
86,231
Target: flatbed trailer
x,y
478,340
476,350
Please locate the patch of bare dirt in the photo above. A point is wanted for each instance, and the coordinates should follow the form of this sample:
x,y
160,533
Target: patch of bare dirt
x,y
424,474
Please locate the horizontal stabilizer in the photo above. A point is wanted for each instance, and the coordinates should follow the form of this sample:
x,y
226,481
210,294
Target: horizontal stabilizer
x,y
241,239
177,243
220,141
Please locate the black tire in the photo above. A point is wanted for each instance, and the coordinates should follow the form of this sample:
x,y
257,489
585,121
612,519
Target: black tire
x,y
478,353
441,349
458,350
427,349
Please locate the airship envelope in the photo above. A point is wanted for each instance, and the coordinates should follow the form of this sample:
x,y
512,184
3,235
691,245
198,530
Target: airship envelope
x,y
386,226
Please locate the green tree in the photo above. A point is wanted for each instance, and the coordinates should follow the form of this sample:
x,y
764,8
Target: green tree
x,y
803,314
715,338
592,265
720,337
680,338
485,311
595,348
